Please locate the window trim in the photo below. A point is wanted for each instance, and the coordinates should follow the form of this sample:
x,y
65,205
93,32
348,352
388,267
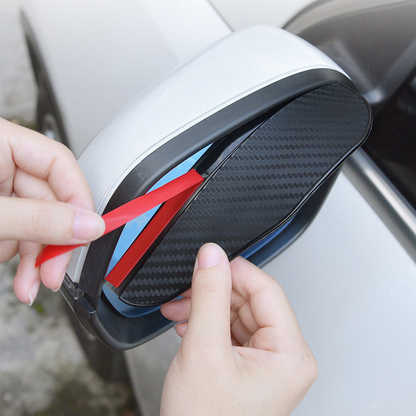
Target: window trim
x,y
384,198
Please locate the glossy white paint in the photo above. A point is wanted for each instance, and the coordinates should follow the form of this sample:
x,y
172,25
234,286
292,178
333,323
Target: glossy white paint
x,y
231,69
353,289
354,294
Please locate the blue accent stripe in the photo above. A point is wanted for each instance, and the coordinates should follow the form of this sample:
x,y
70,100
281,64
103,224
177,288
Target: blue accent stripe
x,y
133,228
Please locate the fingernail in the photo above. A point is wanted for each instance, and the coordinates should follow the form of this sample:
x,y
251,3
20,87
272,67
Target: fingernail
x,y
209,255
60,283
87,226
33,292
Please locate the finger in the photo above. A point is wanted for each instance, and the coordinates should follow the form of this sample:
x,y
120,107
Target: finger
x,y
187,293
235,342
7,165
27,280
241,310
209,319
49,160
240,332
47,222
180,328
243,325
278,327
28,186
177,310
52,272
8,249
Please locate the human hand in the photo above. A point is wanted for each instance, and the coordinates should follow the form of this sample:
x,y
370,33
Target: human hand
x,y
242,351
44,199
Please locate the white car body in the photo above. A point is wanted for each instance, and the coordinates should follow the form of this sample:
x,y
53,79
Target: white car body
x,y
353,292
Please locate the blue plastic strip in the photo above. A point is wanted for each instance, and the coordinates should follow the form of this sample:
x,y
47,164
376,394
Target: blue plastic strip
x,y
132,230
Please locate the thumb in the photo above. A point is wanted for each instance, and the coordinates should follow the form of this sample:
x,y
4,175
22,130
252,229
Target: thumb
x,y
209,319
47,222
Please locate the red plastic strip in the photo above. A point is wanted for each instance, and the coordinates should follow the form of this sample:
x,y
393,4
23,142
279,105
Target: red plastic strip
x,y
127,212
147,237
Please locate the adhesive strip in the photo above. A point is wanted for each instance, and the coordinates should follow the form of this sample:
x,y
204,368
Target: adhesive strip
x,y
125,213
139,247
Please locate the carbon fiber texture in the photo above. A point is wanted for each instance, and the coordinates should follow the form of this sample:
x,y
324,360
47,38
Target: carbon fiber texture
x,y
258,187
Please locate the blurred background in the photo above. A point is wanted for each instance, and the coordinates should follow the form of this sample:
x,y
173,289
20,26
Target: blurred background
x,y
43,370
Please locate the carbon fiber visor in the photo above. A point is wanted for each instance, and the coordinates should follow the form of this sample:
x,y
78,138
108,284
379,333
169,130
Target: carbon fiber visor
x,y
256,180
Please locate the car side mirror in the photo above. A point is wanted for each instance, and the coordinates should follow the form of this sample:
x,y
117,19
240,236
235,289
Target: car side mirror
x,y
264,118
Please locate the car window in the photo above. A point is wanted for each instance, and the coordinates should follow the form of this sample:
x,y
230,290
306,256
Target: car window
x,y
392,144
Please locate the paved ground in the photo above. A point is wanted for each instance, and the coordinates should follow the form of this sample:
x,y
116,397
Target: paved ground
x,y
17,85
43,371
